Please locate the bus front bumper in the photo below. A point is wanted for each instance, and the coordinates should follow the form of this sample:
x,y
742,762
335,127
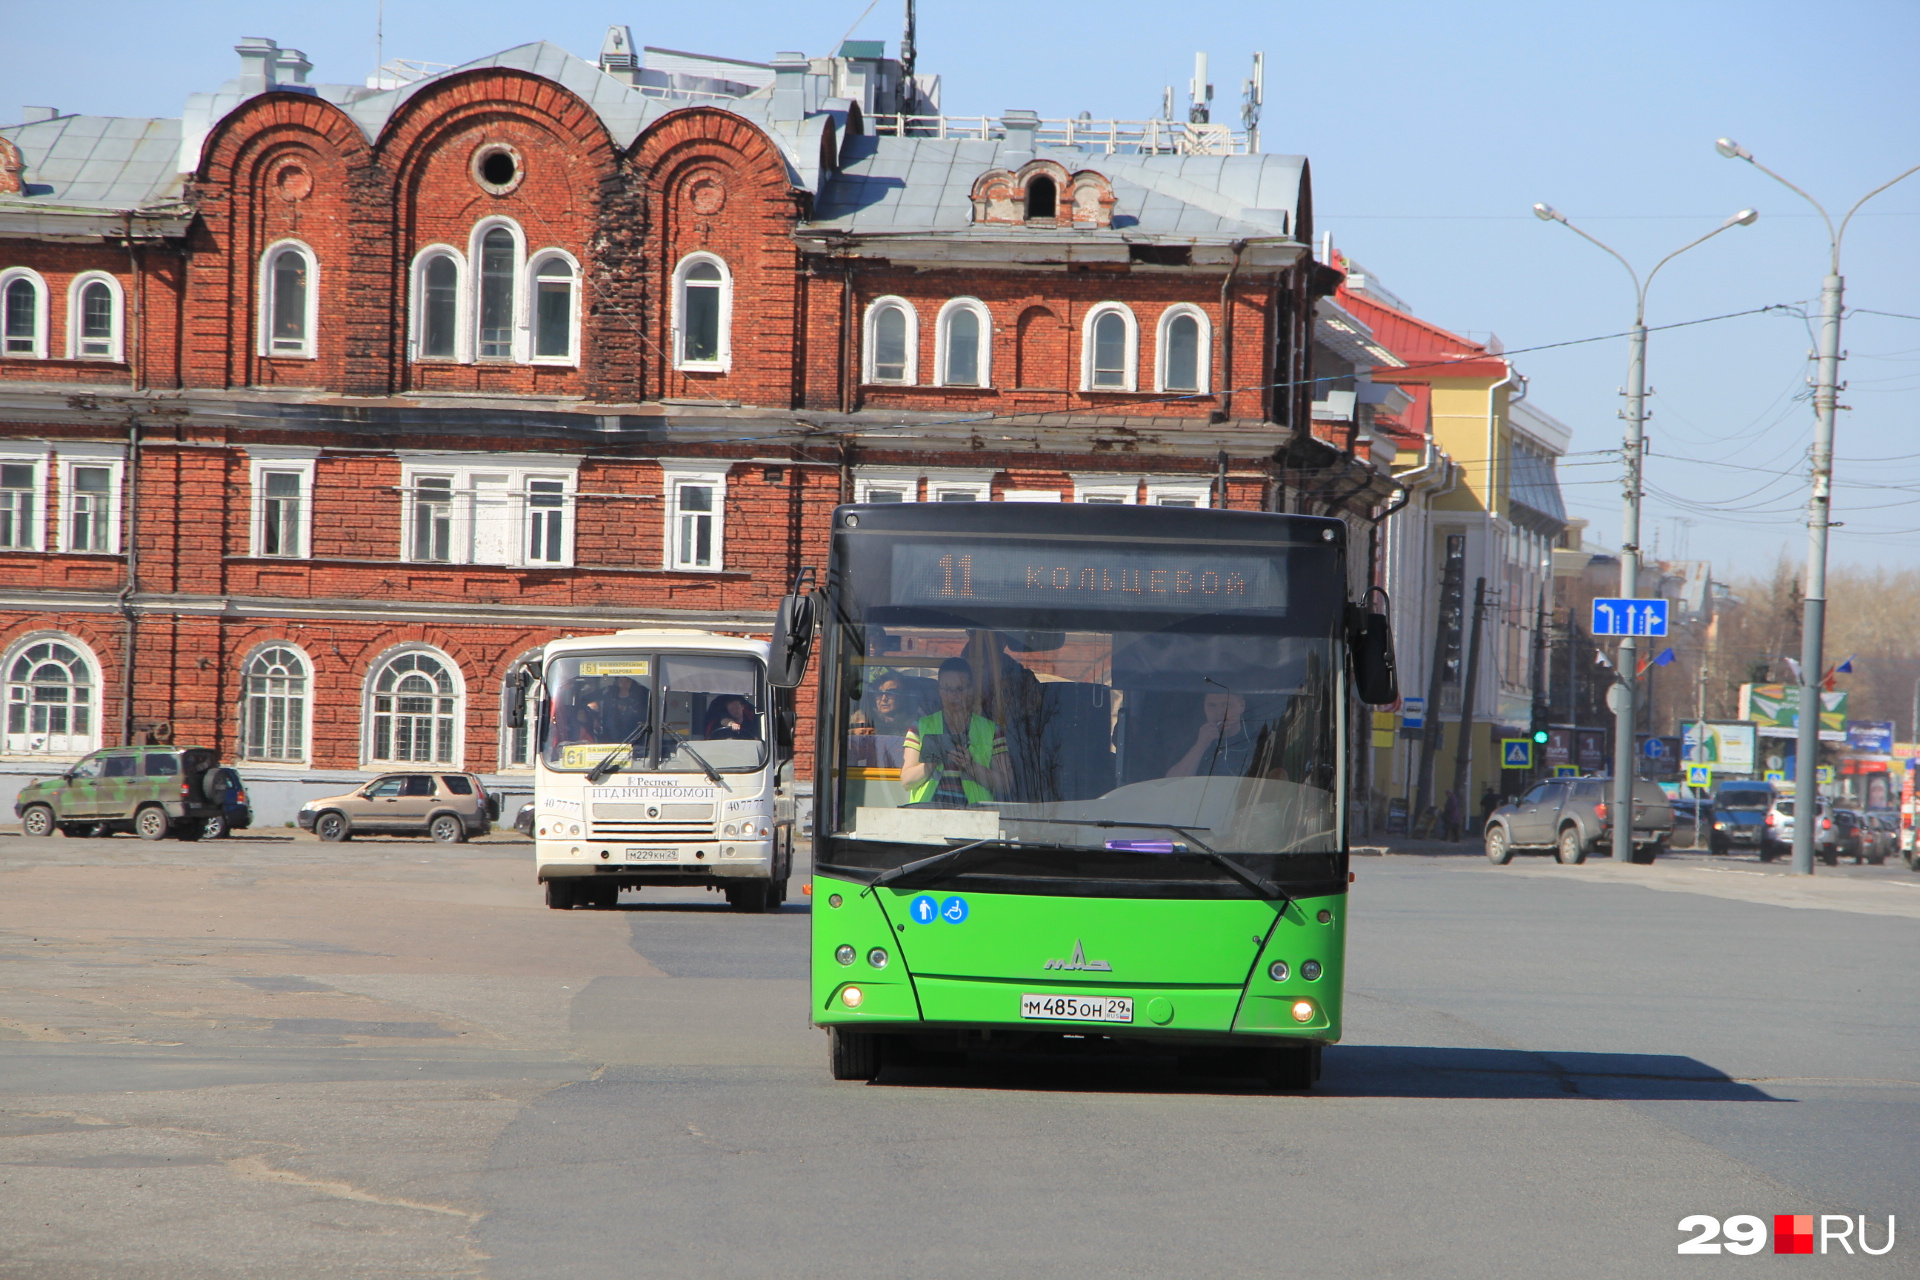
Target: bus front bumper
x,y
718,859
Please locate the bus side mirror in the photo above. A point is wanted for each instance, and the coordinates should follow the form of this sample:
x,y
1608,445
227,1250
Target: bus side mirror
x,y
792,641
1370,650
517,705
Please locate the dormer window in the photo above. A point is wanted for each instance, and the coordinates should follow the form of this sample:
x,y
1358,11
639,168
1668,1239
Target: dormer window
x,y
1042,199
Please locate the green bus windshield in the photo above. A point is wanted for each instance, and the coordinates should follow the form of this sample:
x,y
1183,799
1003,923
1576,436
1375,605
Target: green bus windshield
x,y
1080,707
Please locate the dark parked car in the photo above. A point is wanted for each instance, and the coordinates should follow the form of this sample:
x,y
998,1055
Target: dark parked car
x,y
1851,837
1573,817
1884,828
235,813
1740,812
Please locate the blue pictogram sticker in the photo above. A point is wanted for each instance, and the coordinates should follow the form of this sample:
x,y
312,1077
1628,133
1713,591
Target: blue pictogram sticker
x,y
924,909
954,910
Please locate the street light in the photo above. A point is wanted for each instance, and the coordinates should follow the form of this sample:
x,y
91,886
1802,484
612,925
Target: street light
x,y
1620,699
1820,509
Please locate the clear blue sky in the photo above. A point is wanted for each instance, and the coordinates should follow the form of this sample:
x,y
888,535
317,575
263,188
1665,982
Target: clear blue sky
x,y
1431,129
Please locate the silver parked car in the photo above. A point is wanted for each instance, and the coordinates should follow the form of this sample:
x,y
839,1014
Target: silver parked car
x,y
1573,817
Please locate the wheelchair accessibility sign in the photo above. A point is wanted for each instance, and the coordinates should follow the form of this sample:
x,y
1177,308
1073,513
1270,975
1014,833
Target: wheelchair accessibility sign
x,y
1516,753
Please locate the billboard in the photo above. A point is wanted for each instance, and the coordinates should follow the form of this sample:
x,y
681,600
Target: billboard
x,y
1774,710
1874,737
1730,746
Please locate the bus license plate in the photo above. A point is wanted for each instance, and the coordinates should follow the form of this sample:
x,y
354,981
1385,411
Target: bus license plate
x,y
1077,1008
653,855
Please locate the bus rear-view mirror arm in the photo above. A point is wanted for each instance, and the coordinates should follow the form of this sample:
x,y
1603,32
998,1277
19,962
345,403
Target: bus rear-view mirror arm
x,y
1370,652
793,630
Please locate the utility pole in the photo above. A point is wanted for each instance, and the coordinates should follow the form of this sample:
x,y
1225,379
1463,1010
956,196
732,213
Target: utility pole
x,y
1446,637
908,98
1819,509
1620,697
1463,746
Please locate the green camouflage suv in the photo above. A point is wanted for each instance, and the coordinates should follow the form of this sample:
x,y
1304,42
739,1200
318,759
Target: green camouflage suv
x,y
151,791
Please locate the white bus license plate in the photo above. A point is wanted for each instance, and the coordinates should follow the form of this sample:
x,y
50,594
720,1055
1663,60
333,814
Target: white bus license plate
x,y
653,855
1077,1008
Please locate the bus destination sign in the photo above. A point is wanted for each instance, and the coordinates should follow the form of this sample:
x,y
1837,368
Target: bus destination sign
x,y
1056,575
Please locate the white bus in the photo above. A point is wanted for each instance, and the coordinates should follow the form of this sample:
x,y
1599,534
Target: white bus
x,y
662,758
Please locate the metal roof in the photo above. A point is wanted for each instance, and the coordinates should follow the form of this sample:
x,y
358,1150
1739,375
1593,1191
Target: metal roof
x,y
95,162
1535,486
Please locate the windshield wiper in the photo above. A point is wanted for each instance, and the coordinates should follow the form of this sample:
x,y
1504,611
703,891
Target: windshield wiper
x,y
681,744
926,864
599,772
1246,877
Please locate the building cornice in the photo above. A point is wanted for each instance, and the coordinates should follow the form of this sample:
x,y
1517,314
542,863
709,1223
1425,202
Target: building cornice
x,y
408,609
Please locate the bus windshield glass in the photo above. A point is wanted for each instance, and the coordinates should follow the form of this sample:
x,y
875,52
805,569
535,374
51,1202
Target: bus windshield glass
x,y
1084,709
662,713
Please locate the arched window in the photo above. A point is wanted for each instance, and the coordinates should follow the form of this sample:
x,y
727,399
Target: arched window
x,y
273,712
289,293
93,317
23,314
893,341
1110,355
50,699
414,711
553,308
965,344
702,314
497,253
1042,198
1184,359
437,303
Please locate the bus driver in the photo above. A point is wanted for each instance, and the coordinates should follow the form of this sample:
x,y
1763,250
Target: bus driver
x,y
961,767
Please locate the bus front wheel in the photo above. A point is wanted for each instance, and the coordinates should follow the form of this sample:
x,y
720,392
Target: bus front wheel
x,y
754,896
853,1055
1293,1069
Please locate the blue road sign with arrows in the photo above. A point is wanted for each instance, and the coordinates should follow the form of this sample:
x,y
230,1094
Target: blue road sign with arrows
x,y
1624,616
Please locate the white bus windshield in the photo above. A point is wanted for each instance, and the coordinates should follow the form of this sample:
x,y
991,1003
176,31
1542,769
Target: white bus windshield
x,y
660,712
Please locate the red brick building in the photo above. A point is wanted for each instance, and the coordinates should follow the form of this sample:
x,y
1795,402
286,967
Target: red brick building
x,y
323,405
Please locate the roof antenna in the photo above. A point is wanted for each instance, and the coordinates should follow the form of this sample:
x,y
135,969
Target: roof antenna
x,y
1252,93
907,94
1200,91
379,35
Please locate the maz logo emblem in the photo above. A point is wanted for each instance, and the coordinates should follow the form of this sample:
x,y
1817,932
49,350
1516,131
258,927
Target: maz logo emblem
x,y
1080,961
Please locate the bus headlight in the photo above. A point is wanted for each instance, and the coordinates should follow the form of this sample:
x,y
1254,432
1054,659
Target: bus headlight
x,y
1278,971
1303,1011
877,957
1310,970
843,953
851,997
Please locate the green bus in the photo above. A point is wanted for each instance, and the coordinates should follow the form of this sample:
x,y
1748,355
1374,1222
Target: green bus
x,y
1080,773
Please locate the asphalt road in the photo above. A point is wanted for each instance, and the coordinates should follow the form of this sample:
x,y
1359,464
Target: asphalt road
x,y
272,1057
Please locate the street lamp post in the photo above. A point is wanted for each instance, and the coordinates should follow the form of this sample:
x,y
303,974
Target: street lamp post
x,y
1820,511
1620,698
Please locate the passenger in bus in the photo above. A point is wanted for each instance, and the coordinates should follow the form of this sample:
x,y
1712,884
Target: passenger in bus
x,y
731,716
623,708
955,757
576,717
881,724
1224,747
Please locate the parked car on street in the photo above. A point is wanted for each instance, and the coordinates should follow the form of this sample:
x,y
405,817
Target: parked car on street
x,y
450,807
1740,818
1573,817
235,813
1780,821
153,792
1692,824
1851,836
1883,827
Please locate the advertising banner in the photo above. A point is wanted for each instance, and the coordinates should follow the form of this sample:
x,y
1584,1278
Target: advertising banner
x,y
1729,746
1590,750
1875,737
1774,710
1559,747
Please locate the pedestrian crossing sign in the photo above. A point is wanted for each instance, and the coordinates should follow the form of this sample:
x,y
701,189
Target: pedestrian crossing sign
x,y
1700,775
1566,771
1516,753
1776,776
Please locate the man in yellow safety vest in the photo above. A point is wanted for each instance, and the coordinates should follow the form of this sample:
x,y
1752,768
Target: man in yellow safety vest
x,y
955,757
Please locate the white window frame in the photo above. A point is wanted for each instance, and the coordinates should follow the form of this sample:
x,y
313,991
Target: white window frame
x,y
678,298
869,348
687,471
531,292
941,323
310,343
1105,487
243,742
96,731
116,340
1163,487
110,456
476,281
42,463
1203,370
518,470
367,693
978,483
867,479
1130,375
463,323
41,319
262,459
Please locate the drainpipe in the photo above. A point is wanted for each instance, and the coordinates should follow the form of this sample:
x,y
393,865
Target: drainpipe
x,y
131,338
846,338
132,535
1226,335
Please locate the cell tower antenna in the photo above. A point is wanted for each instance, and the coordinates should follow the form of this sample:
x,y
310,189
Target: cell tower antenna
x,y
379,35
1200,91
906,61
1252,93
